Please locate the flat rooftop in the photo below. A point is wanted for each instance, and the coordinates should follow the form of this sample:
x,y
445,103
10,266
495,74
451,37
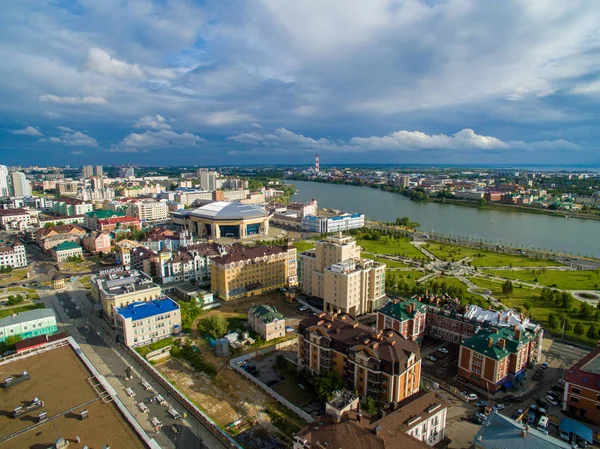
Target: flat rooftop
x,y
61,380
122,282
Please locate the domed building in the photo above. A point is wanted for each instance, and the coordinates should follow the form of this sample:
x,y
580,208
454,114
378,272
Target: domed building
x,y
58,281
224,219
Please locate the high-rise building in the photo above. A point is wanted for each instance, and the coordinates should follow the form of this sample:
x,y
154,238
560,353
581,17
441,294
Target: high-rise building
x,y
4,184
88,171
98,171
127,172
208,179
21,187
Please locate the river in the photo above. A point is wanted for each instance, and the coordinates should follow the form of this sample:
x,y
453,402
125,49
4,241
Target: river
x,y
572,236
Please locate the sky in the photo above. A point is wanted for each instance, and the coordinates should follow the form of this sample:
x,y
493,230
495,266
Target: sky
x,y
270,81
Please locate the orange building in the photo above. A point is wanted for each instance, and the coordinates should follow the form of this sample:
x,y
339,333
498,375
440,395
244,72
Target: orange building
x,y
582,388
379,364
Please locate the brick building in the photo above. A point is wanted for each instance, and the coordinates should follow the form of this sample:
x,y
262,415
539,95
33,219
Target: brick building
x,y
582,388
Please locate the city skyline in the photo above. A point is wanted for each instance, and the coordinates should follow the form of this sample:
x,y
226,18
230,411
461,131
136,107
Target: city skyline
x,y
210,83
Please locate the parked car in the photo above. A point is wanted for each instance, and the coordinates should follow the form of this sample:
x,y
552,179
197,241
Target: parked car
x,y
517,413
303,308
472,397
511,398
498,407
551,400
443,350
564,435
480,404
582,443
432,358
557,387
481,416
542,404
544,365
176,428
554,395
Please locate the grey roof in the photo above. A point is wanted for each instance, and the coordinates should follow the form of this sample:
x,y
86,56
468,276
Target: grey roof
x,y
222,210
29,315
501,432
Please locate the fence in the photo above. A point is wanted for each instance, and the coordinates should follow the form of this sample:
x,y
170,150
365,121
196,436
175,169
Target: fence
x,y
283,401
198,414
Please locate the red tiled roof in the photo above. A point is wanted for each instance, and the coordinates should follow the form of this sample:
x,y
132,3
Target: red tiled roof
x,y
585,376
10,212
115,220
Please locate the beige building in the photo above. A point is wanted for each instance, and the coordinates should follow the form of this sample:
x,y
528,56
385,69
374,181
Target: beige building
x,y
14,219
149,210
247,271
116,289
66,251
267,322
123,251
141,323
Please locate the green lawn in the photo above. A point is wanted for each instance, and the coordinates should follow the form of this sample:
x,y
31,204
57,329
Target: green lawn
x,y
304,245
449,281
85,282
484,258
15,276
388,262
565,280
7,312
387,245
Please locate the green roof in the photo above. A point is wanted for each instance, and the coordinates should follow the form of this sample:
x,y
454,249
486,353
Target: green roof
x,y
65,246
398,311
266,314
101,214
480,342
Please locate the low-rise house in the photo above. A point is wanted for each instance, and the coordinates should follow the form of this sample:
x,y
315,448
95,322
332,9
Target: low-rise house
x,y
97,242
48,238
406,317
28,324
13,255
65,251
91,218
141,323
267,322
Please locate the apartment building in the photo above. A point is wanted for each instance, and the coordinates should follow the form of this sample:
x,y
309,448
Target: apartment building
x,y
159,238
408,318
582,388
148,210
92,218
14,219
123,251
338,223
252,271
112,224
141,323
21,186
189,263
47,238
117,289
267,322
379,364
419,422
13,255
97,242
312,263
495,358
70,207
28,324
354,286
303,209
66,251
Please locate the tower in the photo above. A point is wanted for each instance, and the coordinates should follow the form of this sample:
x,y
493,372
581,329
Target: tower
x,y
316,163
4,181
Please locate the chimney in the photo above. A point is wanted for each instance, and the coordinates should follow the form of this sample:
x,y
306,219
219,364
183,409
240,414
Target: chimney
x,y
518,333
490,342
502,343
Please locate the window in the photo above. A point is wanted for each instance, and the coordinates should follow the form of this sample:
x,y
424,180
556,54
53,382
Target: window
x,y
575,400
575,390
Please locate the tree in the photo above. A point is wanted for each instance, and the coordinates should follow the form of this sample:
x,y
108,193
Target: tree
x,y
528,306
507,287
369,406
216,326
327,384
585,311
567,324
566,300
553,322
592,332
579,329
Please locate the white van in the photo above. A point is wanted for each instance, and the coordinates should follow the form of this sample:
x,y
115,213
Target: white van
x,y
543,424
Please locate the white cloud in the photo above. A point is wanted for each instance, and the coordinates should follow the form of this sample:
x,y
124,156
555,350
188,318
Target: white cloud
x,y
152,122
52,115
74,138
99,61
48,98
27,131
229,117
77,152
65,129
162,139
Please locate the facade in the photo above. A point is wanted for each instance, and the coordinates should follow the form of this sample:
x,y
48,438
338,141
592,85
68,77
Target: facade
x,y
224,219
69,207
408,318
4,183
65,251
267,322
495,358
338,223
244,272
303,209
141,323
14,219
112,224
148,210
47,238
377,364
354,286
88,171
159,238
13,255
208,179
186,264
582,388
58,281
312,263
121,288
91,218
28,324
123,251
21,186
97,242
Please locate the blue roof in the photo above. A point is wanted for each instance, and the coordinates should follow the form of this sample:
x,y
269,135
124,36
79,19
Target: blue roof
x,y
578,428
141,310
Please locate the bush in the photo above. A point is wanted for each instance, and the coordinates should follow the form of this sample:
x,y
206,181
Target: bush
x,y
194,359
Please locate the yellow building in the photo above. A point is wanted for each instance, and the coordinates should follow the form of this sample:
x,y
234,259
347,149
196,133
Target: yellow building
x,y
248,271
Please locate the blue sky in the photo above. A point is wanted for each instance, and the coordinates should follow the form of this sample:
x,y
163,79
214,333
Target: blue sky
x,y
270,81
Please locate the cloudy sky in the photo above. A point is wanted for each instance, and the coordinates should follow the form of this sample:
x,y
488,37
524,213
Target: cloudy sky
x,y
271,81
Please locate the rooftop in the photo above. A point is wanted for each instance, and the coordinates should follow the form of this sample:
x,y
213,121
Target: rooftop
x,y
586,372
24,317
104,213
64,246
501,432
239,253
403,310
222,210
10,212
489,343
141,310
59,378
122,282
266,313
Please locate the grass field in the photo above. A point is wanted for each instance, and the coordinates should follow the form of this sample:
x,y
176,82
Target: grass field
x,y
7,312
396,246
85,282
565,280
388,262
483,258
15,276
449,281
304,245
21,289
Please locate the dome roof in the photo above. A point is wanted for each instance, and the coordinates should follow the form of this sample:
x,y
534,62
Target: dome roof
x,y
58,277
222,210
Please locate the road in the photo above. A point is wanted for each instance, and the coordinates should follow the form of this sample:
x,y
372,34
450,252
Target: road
x,y
94,334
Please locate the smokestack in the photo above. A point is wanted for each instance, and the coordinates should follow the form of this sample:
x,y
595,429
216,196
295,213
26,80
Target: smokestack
x,y
317,168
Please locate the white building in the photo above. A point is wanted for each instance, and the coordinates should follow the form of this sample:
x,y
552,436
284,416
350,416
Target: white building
x,y
208,180
65,251
28,324
325,225
141,323
14,219
148,210
21,187
303,209
4,183
473,195
127,172
13,255
88,171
